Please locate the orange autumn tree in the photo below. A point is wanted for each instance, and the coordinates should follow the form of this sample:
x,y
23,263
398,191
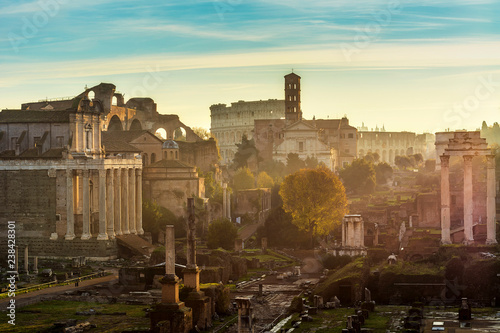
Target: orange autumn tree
x,y
316,200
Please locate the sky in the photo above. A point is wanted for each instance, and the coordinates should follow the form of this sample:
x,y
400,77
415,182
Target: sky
x,y
407,65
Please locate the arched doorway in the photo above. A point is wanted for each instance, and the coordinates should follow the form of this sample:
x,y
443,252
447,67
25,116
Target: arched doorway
x,y
136,125
115,124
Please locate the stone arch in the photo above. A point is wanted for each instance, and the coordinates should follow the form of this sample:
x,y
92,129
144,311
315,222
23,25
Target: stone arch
x,y
180,134
91,94
161,133
233,137
136,125
115,124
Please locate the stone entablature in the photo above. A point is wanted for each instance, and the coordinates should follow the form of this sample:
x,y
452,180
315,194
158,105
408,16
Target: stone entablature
x,y
230,123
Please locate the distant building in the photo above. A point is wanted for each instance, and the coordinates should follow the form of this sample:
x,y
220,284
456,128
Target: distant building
x,y
230,123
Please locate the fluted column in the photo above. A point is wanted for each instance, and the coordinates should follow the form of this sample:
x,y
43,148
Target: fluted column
x,y
490,201
138,205
132,201
86,206
110,204
81,133
468,200
125,215
70,216
118,202
445,199
102,206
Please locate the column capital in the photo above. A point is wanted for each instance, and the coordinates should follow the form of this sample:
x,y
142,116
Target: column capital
x,y
138,172
445,160
468,159
85,172
490,161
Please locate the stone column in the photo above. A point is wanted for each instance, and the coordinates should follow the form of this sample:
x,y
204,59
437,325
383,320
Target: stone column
x,y
110,204
228,205
118,202
26,260
35,265
468,200
170,289
132,202
490,201
344,243
138,205
445,199
224,200
81,133
350,233
125,203
102,206
95,133
70,216
362,231
86,206
76,135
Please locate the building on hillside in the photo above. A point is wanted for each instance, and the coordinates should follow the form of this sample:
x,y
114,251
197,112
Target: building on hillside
x,y
66,197
230,123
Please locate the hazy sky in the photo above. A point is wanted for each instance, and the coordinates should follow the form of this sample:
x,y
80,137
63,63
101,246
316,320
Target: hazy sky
x,y
409,65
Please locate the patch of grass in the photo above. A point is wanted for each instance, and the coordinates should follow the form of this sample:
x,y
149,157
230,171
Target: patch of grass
x,y
53,311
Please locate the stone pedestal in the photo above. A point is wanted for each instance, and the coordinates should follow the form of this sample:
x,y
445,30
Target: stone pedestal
x,y
245,315
201,309
171,318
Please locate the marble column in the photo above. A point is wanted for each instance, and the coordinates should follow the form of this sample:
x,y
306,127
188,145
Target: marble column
x,y
125,203
81,133
170,288
350,233
224,200
228,205
102,206
26,260
490,201
76,133
86,206
110,204
35,265
95,133
118,201
70,216
132,202
138,196
343,232
362,232
468,200
445,199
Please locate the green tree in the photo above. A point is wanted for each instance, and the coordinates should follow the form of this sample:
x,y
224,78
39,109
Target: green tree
x,y
383,173
275,169
221,233
281,232
311,162
359,176
156,217
316,200
213,189
243,179
264,180
246,150
403,162
294,163
372,157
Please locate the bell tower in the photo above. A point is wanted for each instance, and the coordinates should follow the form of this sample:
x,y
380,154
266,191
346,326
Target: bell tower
x,y
293,112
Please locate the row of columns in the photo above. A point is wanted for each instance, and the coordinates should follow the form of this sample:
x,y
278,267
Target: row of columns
x,y
468,200
120,202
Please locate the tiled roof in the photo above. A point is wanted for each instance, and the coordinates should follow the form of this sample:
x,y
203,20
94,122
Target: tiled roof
x,y
29,116
119,146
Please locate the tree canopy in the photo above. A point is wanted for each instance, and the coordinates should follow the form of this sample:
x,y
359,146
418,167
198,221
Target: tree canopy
x,y
246,150
316,200
294,163
383,173
203,133
359,176
264,180
243,179
221,233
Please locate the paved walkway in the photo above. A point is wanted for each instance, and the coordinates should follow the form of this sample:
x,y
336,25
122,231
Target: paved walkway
x,y
32,297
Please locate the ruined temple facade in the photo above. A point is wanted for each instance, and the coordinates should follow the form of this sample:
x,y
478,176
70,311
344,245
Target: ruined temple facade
x,y
66,196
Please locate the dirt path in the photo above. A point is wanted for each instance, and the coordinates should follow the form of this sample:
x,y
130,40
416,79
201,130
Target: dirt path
x,y
33,297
